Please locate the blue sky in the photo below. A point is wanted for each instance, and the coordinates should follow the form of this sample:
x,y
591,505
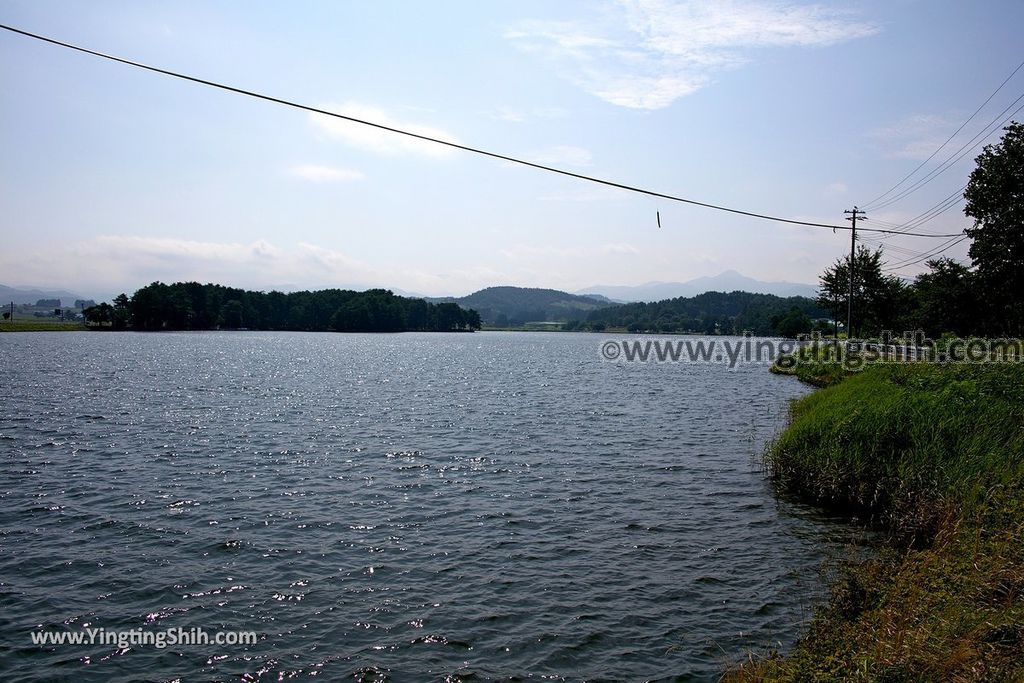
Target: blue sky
x,y
112,177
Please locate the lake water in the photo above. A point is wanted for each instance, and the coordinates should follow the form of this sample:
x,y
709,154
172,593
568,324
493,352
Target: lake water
x,y
395,507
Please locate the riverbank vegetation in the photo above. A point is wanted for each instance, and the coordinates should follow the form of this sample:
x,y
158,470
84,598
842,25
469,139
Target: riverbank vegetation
x,y
818,364
935,454
195,306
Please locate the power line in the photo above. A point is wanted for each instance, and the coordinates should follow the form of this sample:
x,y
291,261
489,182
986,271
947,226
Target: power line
x,y
426,138
905,251
908,257
964,150
888,224
909,254
935,211
949,139
925,257
912,256
938,210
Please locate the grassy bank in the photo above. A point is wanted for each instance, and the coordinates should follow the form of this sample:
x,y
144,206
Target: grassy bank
x,y
817,364
935,454
42,325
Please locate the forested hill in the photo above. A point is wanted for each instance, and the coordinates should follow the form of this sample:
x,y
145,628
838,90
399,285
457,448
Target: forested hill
x,y
195,306
514,306
711,313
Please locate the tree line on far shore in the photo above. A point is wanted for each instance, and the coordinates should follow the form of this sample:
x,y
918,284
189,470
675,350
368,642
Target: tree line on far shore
x,y
710,313
195,306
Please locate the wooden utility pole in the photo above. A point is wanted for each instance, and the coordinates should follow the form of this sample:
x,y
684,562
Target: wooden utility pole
x,y
854,215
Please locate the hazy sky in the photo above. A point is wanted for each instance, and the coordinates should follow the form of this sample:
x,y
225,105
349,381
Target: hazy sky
x,y
111,177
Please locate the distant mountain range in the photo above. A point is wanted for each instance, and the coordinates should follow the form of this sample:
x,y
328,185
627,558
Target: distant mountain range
x,y
729,281
20,295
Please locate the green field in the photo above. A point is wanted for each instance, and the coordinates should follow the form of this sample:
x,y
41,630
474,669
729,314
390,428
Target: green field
x,y
40,325
935,455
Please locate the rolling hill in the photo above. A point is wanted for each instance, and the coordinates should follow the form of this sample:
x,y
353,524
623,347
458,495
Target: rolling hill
x,y
513,306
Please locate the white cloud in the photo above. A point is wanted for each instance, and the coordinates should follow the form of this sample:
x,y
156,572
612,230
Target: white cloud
x,y
532,254
527,253
109,263
561,155
378,140
621,248
509,115
836,189
328,261
645,54
168,248
324,174
915,137
594,193
518,115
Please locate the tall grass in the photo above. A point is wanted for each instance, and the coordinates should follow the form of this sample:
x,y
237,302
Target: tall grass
x,y
907,443
936,454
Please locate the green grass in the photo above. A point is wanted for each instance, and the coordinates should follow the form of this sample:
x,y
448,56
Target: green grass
x,y
903,440
40,325
935,454
817,364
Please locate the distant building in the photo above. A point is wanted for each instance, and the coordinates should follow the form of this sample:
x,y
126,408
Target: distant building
x,y
82,304
48,303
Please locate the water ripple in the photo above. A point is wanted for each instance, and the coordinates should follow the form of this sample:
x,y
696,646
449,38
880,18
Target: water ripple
x,y
394,507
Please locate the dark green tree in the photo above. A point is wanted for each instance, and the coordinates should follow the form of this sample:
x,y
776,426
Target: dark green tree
x,y
417,315
946,299
793,323
195,306
724,312
120,317
880,301
100,314
995,200
231,313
